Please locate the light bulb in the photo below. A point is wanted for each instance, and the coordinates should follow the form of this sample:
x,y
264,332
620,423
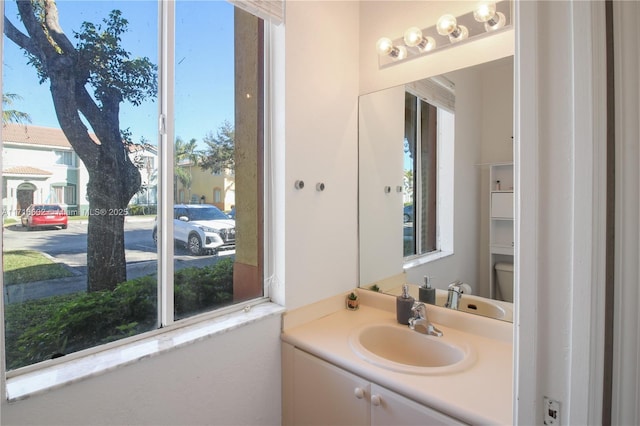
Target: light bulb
x,y
413,36
460,33
498,21
485,11
429,44
400,54
384,46
446,24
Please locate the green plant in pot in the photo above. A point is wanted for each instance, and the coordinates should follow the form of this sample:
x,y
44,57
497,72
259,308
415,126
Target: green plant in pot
x,y
352,301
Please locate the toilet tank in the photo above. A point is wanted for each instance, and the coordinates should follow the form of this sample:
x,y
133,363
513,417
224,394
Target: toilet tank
x,y
504,277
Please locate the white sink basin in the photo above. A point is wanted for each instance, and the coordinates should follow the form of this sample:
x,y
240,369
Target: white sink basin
x,y
481,306
401,349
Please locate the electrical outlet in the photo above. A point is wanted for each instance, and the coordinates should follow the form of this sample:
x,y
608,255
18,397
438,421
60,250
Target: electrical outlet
x,y
551,411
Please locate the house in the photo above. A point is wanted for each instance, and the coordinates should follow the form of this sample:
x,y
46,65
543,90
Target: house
x,y
40,166
565,314
206,187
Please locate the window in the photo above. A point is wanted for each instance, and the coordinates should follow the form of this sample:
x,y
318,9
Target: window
x,y
65,158
420,176
201,265
428,169
64,194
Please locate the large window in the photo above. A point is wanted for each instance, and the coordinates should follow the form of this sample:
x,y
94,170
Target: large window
x,y
135,257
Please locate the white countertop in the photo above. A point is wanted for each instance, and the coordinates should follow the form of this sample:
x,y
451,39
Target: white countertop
x,y
480,394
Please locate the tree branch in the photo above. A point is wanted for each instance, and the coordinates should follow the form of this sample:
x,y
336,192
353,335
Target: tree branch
x,y
87,105
21,39
34,29
53,24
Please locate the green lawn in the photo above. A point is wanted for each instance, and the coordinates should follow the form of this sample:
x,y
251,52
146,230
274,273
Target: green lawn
x,y
25,266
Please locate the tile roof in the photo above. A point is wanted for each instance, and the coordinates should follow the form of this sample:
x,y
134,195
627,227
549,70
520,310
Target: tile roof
x,y
35,135
26,170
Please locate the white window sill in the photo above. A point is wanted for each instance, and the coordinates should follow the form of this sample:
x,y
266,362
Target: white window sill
x,y
55,373
424,259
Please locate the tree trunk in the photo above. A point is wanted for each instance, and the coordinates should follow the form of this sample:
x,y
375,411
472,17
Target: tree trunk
x,y
109,190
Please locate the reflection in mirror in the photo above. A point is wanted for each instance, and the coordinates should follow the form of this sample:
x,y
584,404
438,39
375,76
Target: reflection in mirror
x,y
441,144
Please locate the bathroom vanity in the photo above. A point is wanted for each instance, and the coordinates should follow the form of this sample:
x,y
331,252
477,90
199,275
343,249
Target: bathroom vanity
x,y
363,368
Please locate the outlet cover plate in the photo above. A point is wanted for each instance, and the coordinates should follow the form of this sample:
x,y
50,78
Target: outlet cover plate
x,y
551,411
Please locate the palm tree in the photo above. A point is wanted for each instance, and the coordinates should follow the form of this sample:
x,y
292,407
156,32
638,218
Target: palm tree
x,y
185,153
11,115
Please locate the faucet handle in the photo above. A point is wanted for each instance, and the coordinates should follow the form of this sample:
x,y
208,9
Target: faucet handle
x,y
418,310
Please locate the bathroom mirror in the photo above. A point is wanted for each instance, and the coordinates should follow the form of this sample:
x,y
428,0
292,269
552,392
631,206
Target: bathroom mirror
x,y
454,231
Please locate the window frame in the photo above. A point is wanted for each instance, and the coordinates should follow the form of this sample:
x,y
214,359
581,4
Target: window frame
x,y
445,164
25,381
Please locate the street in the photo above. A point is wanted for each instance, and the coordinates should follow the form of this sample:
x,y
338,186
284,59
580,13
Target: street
x,y
69,246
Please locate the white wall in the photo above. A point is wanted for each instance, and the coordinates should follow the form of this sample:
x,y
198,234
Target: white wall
x,y
321,137
380,165
626,348
560,134
229,379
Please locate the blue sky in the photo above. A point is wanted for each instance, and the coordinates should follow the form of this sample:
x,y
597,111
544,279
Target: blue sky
x,y
204,57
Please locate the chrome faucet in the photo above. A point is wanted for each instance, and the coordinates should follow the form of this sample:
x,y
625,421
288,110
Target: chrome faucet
x,y
454,296
420,322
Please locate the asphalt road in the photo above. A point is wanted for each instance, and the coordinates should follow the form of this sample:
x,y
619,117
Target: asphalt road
x,y
69,246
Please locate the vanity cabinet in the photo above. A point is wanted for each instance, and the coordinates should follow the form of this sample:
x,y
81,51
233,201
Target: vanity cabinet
x,y
316,392
501,207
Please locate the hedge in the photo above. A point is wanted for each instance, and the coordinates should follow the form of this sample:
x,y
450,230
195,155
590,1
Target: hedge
x,y
42,329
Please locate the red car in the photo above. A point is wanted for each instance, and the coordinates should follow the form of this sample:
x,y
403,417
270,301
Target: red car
x,y
44,215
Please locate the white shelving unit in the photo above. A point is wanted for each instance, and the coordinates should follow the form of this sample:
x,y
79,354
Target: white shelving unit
x,y
501,219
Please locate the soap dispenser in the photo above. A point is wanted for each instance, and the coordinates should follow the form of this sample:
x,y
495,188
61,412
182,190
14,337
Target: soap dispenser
x,y
426,293
404,304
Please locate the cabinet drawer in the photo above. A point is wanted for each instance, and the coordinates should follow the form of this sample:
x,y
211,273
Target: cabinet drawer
x,y
502,205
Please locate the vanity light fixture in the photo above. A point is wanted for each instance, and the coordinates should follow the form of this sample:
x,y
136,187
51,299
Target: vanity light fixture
x,y
487,13
486,19
448,26
386,48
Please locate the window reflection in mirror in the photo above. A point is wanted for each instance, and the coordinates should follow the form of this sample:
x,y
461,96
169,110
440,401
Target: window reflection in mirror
x,y
420,176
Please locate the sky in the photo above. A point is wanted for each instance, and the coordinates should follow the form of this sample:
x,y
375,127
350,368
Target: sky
x,y
204,64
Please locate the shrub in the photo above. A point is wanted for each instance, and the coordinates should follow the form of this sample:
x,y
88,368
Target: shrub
x,y
41,329
139,209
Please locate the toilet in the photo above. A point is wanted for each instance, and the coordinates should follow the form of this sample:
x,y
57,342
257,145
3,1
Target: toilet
x,y
504,277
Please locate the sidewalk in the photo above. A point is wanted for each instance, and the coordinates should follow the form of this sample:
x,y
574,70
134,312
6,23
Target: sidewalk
x,y
18,293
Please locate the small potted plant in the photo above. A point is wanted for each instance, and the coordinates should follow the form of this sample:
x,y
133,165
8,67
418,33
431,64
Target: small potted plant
x,y
352,301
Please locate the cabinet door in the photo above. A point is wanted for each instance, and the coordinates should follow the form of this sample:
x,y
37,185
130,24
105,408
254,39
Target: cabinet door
x,y
327,395
389,408
502,205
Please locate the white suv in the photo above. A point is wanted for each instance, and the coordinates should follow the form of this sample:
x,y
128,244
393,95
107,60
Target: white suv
x,y
201,228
